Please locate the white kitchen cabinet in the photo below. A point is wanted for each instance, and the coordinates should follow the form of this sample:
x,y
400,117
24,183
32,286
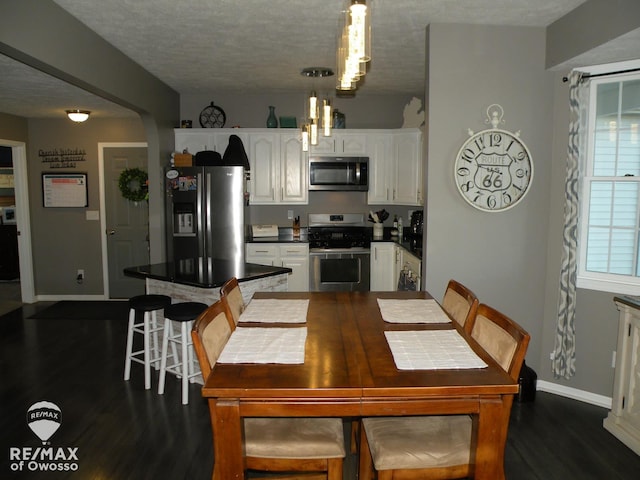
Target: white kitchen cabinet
x,y
278,169
262,253
296,257
294,170
383,267
387,261
341,143
623,420
265,168
291,255
395,168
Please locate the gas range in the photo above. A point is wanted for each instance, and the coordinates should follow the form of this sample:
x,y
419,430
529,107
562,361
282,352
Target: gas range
x,y
338,252
338,231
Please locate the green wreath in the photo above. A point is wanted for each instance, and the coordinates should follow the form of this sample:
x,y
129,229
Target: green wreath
x,y
133,184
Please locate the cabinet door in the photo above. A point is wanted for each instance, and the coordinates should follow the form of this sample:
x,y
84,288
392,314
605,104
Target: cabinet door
x,y
383,267
262,253
296,257
326,145
380,181
263,159
293,170
407,154
341,143
351,143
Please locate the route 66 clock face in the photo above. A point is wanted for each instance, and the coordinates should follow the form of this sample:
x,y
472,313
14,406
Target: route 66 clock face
x,y
493,170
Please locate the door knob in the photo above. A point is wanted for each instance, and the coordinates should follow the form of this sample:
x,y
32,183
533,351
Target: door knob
x,y
111,232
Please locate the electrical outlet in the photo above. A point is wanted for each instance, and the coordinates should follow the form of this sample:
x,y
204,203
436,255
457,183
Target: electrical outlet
x,y
80,276
290,214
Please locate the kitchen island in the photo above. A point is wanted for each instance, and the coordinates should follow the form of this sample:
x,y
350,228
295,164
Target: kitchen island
x,y
200,279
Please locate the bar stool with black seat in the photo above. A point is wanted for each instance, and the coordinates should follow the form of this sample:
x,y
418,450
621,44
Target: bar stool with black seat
x,y
182,364
147,306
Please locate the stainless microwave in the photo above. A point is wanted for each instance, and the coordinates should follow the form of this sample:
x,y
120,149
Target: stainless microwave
x,y
339,173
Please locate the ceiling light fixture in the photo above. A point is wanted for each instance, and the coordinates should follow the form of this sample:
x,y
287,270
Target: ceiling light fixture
x,y
78,116
310,127
354,45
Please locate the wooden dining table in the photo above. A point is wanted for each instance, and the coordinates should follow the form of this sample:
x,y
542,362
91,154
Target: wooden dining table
x,y
349,371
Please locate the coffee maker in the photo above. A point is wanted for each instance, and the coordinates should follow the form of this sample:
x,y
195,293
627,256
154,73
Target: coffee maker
x,y
417,222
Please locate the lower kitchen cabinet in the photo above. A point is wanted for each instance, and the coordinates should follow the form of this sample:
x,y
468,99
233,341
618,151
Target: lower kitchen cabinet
x,y
384,271
291,255
387,260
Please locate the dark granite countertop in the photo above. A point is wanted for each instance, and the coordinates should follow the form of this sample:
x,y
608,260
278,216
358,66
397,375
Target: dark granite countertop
x,y
413,244
204,272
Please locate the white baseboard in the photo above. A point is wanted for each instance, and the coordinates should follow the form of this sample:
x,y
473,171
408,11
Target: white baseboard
x,y
574,393
58,298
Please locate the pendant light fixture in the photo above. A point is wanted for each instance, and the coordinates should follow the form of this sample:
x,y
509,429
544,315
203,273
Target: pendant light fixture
x,y
354,44
78,116
316,118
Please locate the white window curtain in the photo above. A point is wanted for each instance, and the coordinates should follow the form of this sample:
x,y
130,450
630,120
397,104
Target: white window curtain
x,y
563,364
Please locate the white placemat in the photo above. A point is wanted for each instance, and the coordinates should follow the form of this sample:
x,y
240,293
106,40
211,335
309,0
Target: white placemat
x,y
412,310
273,310
432,350
265,345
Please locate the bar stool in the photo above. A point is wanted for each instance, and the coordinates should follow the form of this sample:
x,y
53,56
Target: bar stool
x,y
148,306
182,365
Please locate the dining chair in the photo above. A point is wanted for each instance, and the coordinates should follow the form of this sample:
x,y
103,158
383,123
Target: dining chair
x,y
461,304
231,290
310,445
440,447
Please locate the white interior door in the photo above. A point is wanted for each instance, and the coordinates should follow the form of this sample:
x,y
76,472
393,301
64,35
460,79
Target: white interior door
x,y
126,223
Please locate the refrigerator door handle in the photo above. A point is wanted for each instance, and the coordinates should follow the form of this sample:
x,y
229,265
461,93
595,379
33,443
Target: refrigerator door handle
x,y
199,208
208,217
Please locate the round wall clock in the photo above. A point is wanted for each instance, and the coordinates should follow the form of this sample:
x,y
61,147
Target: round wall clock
x,y
493,170
212,116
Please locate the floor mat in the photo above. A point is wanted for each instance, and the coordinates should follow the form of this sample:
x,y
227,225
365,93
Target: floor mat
x,y
85,310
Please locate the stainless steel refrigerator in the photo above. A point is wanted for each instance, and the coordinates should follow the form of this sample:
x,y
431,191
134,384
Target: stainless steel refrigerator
x,y
206,206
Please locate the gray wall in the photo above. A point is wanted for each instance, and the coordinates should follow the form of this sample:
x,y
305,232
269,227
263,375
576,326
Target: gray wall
x,y
82,58
62,239
499,255
250,111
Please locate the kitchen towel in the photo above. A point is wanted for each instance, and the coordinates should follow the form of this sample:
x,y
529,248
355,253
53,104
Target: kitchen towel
x,y
272,310
265,345
412,311
432,350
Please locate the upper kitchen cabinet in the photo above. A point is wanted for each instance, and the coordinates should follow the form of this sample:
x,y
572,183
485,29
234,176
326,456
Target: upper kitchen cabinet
x,y
341,143
278,169
278,165
395,168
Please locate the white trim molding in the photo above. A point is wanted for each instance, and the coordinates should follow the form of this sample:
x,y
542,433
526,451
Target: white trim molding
x,y
574,393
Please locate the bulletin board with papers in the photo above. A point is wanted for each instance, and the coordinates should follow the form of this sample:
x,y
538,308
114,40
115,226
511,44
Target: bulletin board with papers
x,y
65,190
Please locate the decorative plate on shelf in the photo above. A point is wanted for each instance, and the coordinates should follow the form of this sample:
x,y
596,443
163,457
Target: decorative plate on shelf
x,y
212,116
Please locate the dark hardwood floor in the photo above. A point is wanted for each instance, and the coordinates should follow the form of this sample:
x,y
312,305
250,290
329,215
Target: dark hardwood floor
x,y
122,431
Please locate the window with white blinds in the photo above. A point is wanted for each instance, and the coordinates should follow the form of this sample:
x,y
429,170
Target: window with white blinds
x,y
610,212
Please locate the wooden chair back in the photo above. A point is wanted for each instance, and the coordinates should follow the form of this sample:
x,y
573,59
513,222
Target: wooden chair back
x,y
502,338
210,333
461,304
231,290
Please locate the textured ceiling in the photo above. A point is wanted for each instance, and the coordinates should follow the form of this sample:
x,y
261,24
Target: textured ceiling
x,y
197,46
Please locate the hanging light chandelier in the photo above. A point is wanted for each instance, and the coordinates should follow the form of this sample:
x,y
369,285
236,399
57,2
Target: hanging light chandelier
x,y
316,117
354,45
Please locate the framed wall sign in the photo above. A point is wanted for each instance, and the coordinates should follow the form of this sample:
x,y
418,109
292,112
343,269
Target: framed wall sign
x,y
68,190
